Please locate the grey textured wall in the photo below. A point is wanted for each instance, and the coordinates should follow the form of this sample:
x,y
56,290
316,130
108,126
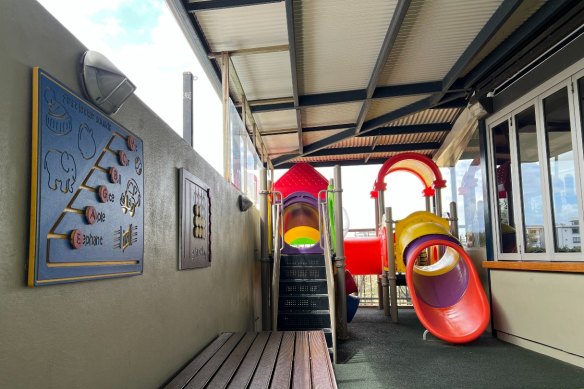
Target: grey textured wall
x,y
119,333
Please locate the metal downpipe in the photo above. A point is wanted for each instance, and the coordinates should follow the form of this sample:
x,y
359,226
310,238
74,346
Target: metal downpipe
x,y
266,276
342,332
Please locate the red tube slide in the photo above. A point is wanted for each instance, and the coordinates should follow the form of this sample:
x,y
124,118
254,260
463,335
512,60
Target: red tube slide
x,y
451,304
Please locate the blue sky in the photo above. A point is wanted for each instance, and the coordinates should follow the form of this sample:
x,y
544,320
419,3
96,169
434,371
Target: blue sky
x,y
143,40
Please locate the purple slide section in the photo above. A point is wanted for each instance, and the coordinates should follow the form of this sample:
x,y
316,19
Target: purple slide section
x,y
310,200
443,290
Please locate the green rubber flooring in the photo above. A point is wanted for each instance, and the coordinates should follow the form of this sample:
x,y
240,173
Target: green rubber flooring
x,y
380,354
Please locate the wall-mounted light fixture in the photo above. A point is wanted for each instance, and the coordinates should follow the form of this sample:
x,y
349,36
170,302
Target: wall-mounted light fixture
x,y
244,203
103,83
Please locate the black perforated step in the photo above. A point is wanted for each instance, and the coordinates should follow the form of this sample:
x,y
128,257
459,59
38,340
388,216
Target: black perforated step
x,y
303,302
291,287
304,320
303,272
303,260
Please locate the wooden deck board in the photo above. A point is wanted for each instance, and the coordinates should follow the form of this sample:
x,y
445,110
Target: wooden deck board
x,y
260,361
196,364
208,371
245,372
301,377
263,374
283,371
323,375
224,375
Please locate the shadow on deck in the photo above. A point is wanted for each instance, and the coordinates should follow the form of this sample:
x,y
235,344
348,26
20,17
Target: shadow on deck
x,y
380,354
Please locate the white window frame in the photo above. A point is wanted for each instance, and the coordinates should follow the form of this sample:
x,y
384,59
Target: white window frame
x,y
566,79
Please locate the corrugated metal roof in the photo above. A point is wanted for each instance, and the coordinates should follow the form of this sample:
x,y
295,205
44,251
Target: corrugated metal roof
x,y
432,38
330,114
412,138
275,80
521,14
379,107
350,157
428,116
268,121
368,141
338,42
229,29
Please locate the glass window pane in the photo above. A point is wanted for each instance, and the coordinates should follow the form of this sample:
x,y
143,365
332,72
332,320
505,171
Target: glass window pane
x,y
502,151
560,154
530,181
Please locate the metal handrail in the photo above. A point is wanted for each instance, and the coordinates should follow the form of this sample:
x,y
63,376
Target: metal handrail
x,y
324,224
276,214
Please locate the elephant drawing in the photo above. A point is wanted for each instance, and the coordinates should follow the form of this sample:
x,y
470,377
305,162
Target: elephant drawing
x,y
61,168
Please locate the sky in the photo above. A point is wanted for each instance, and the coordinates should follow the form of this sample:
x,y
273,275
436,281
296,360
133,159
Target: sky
x,y
142,38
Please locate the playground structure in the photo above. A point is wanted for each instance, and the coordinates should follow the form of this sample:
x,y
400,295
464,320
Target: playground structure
x,y
445,289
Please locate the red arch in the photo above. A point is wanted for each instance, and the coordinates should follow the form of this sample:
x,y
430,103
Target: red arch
x,y
439,182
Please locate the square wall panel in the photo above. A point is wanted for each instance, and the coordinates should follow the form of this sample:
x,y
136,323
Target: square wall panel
x,y
281,144
277,120
264,76
310,137
433,36
228,29
330,114
338,42
380,107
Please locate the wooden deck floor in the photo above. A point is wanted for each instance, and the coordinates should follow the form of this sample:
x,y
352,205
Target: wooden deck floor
x,y
292,359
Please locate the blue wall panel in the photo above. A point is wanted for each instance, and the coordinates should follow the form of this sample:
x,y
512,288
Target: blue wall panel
x,y
87,202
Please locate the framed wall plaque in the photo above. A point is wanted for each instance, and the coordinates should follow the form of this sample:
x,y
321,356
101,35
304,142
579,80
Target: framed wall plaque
x,y
194,222
87,201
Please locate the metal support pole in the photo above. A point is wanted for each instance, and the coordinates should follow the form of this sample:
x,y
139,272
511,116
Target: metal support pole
x,y
428,201
384,281
266,275
379,284
454,220
391,264
438,198
380,208
188,107
376,213
226,125
342,332
379,293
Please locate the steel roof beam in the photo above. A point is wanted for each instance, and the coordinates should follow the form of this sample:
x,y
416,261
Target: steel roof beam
x,y
397,19
379,149
221,4
367,127
348,162
381,92
329,127
293,70
412,129
519,37
497,20
252,51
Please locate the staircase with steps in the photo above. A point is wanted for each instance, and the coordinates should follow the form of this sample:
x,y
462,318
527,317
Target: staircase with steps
x,y
303,301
